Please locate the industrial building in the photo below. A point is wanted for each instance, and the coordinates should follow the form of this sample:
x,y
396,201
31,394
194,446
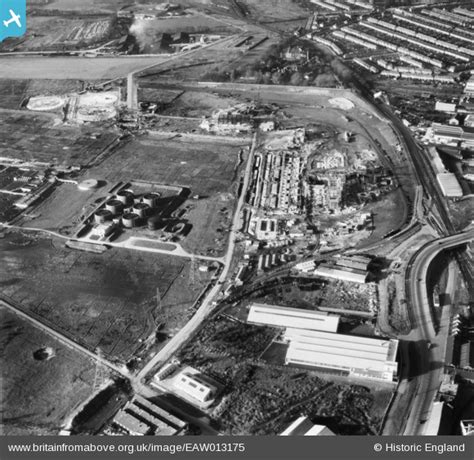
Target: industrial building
x,y
140,417
469,88
341,273
348,355
449,185
196,387
131,424
457,136
275,316
303,426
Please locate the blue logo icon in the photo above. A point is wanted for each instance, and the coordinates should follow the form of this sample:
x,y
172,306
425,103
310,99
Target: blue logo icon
x,y
12,18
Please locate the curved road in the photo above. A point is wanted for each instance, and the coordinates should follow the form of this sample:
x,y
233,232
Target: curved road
x,y
428,363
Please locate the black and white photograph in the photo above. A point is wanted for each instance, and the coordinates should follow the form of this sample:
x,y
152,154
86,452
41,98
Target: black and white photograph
x,y
236,229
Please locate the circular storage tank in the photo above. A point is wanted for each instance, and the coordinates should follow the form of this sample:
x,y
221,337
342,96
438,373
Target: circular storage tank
x,y
102,215
114,206
178,227
155,223
88,184
125,196
141,209
130,220
151,199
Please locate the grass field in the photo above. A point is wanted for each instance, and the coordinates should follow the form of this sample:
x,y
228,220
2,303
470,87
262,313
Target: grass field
x,y
84,5
38,395
30,136
206,167
106,300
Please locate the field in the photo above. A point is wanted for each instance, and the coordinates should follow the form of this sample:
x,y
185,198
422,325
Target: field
x,y
260,398
211,219
37,395
13,92
197,104
106,300
85,5
69,68
30,136
206,166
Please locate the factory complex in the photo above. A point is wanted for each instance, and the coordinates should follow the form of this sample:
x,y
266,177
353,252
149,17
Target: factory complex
x,y
313,341
347,355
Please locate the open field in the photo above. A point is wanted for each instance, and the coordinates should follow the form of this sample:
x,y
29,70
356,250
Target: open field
x,y
73,67
106,300
197,104
38,394
92,6
211,219
205,166
30,136
262,399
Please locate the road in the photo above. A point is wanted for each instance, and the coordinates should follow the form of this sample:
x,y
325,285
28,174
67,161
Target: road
x,y
428,363
207,304
11,305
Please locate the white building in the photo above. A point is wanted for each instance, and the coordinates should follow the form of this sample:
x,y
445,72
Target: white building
x,y
469,88
445,107
303,426
449,185
349,355
196,387
306,267
273,315
339,273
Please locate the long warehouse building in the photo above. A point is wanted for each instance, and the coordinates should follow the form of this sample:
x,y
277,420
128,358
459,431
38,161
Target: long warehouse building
x,y
298,318
348,355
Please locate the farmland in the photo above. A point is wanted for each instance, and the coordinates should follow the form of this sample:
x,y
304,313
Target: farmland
x,y
107,301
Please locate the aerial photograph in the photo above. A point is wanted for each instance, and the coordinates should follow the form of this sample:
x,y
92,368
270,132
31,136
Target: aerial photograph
x,y
237,218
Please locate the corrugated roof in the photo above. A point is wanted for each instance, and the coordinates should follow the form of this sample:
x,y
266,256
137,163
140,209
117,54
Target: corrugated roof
x,y
340,350
274,315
